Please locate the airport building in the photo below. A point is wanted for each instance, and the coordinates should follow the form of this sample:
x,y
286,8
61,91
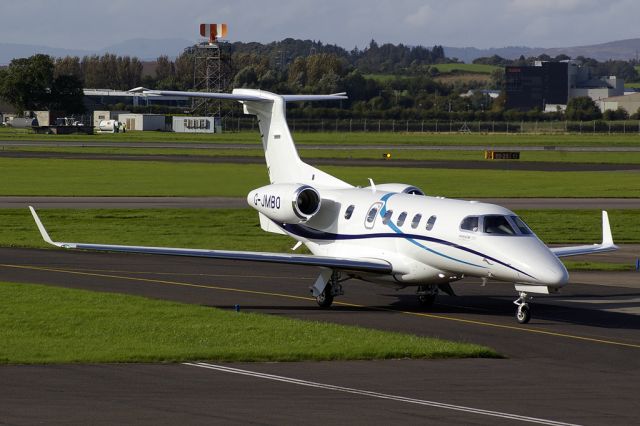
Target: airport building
x,y
629,103
143,121
196,124
548,86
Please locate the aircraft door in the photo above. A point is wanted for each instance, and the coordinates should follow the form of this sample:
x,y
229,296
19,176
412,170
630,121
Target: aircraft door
x,y
372,215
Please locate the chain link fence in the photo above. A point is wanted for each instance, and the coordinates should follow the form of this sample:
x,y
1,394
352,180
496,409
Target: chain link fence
x,y
238,124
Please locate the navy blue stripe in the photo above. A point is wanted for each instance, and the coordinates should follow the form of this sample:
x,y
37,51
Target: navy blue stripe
x,y
314,234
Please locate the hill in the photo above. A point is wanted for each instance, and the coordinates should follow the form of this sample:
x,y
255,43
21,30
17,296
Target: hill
x,y
620,49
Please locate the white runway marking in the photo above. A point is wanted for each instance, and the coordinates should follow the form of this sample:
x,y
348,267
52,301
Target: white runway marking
x,y
377,394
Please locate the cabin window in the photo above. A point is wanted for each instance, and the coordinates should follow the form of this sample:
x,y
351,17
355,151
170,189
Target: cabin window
x,y
416,220
372,214
387,217
524,229
349,212
497,225
431,222
469,223
401,218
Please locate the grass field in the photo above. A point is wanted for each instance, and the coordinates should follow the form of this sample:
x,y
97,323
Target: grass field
x,y
466,68
142,178
443,69
361,138
335,152
201,228
54,325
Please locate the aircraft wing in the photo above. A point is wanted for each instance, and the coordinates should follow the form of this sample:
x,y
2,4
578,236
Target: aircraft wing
x,y
369,265
606,245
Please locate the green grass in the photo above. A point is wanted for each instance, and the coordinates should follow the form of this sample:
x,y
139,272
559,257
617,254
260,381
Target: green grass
x,y
467,68
573,265
634,85
195,228
42,325
582,226
50,177
442,68
360,138
334,152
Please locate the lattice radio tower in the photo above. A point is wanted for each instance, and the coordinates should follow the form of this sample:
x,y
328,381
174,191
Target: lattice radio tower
x,y
210,69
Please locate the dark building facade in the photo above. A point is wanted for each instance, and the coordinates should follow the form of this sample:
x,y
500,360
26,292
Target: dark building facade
x,y
528,87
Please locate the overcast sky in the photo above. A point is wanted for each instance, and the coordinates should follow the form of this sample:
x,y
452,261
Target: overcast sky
x,y
91,24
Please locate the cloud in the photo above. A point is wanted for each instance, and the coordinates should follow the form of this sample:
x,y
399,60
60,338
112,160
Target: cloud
x,y
93,24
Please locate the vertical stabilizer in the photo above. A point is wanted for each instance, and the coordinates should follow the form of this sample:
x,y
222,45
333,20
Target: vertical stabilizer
x,y
283,163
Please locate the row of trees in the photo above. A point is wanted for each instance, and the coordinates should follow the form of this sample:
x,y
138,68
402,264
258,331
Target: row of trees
x,y
33,84
383,81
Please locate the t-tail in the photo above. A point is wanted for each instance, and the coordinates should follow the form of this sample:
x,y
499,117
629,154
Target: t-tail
x,y
283,162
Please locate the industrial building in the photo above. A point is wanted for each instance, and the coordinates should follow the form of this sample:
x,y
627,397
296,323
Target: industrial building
x,y
629,103
99,116
143,121
548,86
196,125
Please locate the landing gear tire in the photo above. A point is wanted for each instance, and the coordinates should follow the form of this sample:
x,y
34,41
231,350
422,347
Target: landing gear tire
x,y
325,299
427,295
523,314
427,300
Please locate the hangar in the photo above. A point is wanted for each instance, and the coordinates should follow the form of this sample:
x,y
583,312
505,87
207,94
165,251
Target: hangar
x,y
629,103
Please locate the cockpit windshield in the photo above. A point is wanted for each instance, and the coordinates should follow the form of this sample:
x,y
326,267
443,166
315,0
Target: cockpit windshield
x,y
524,229
495,225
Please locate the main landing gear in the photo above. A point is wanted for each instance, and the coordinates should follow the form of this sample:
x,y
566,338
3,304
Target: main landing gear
x,y
427,295
331,290
523,313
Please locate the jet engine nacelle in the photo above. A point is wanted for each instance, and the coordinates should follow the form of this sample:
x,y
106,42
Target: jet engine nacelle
x,y
400,188
286,202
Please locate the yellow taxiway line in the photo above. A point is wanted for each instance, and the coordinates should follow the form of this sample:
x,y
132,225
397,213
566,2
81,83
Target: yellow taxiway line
x,y
352,305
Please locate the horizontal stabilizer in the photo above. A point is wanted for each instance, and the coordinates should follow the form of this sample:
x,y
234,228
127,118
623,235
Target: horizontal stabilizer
x,y
255,96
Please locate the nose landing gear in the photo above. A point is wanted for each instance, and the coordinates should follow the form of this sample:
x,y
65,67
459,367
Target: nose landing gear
x,y
523,313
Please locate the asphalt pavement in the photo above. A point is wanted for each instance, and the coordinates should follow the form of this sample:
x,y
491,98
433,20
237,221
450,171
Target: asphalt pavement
x,y
576,362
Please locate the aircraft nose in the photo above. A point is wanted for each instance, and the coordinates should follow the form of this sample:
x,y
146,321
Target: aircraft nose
x,y
554,275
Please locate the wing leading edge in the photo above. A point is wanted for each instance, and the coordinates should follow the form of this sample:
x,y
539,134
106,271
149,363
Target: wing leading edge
x,y
368,265
606,245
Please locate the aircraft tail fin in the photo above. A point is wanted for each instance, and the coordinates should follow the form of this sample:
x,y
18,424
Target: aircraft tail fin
x,y
283,163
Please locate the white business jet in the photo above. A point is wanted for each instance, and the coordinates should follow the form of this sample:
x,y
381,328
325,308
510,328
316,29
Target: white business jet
x,y
390,234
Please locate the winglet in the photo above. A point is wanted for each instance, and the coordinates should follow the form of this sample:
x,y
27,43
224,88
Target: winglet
x,y
41,228
607,238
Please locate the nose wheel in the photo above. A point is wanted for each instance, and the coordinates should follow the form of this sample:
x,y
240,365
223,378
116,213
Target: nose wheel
x,y
523,312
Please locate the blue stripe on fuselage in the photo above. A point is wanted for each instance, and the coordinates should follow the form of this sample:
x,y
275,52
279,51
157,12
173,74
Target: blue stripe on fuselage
x,y
315,234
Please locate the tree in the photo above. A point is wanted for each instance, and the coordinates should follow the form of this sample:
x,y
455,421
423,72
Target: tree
x,y
29,84
67,95
582,108
26,83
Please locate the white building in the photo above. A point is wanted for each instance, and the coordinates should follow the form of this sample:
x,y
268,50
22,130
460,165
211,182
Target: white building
x,y
142,121
99,116
630,103
196,125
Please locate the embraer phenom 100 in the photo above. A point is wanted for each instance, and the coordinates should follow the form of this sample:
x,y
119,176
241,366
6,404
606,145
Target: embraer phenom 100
x,y
390,234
